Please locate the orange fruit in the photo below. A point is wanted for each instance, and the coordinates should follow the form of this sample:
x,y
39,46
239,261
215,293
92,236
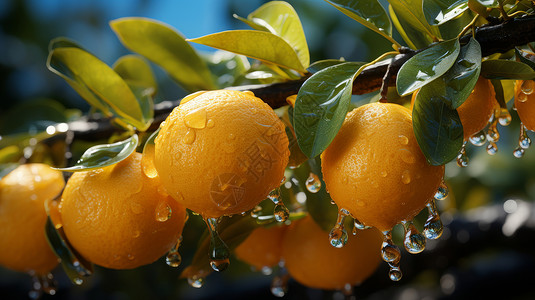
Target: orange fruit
x,y
525,102
23,193
477,109
313,262
221,152
375,169
118,218
262,248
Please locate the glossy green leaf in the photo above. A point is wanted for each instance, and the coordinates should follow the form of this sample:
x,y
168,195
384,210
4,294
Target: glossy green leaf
x,y
260,45
228,68
525,56
104,155
167,48
441,11
460,80
73,264
478,8
437,127
63,42
98,84
280,18
499,92
369,13
322,64
414,38
426,66
506,69
136,72
452,28
321,106
412,13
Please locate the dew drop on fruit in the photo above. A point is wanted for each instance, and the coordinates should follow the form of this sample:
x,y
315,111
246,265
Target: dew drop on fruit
x,y
338,235
313,183
527,87
279,285
173,258
196,119
403,140
406,177
478,139
255,212
462,158
210,123
136,234
358,225
442,191
505,117
433,225
195,281
414,241
384,173
219,252
406,156
189,137
522,97
163,211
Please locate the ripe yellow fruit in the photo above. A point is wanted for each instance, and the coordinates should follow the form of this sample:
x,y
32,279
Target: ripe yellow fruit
x,y
262,248
525,102
221,152
477,109
375,169
23,193
118,218
312,261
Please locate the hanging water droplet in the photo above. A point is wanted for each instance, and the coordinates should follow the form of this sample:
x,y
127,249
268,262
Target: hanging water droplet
x,y
256,211
478,139
523,140
338,235
219,252
390,252
492,148
493,135
195,281
358,225
313,183
527,87
265,270
281,212
505,117
414,241
395,274
519,152
462,158
442,192
173,258
78,281
522,97
189,137
163,211
196,119
433,225
279,285
274,195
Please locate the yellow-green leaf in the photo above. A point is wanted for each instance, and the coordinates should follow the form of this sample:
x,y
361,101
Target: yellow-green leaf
x,y
98,84
414,38
280,18
261,45
411,11
136,71
167,48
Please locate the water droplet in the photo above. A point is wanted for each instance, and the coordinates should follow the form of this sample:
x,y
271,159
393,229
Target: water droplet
x,y
414,241
78,281
462,158
522,97
406,177
219,252
196,119
403,140
442,192
338,235
384,173
163,211
173,258
42,284
519,152
279,285
210,123
523,140
189,138
313,183
195,281
147,161
395,274
255,212
136,207
390,252
130,257
274,195
136,234
492,148
358,225
265,270
505,117
281,212
433,225
493,135
527,87
406,156
478,139
231,136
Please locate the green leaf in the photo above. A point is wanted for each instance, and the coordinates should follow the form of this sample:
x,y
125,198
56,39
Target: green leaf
x,y
438,12
63,42
73,264
437,127
167,48
228,68
460,80
426,66
260,45
98,84
526,56
321,106
136,72
369,13
32,116
414,38
412,13
498,90
280,18
322,64
104,155
506,69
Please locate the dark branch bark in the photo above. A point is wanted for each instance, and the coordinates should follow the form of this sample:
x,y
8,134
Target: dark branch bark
x,y
492,38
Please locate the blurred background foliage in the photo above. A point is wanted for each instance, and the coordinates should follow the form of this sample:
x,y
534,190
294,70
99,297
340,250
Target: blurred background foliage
x,y
486,249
